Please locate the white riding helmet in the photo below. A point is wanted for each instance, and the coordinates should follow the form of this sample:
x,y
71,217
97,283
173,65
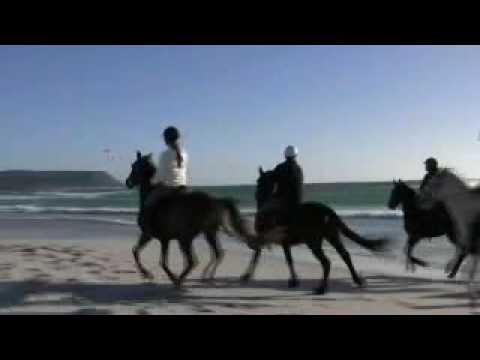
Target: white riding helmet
x,y
291,151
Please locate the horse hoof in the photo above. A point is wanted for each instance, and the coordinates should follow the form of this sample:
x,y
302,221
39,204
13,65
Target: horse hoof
x,y
321,290
361,283
293,283
147,276
473,304
245,278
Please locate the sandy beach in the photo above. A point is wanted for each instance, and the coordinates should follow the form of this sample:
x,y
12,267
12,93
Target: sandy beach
x,y
50,271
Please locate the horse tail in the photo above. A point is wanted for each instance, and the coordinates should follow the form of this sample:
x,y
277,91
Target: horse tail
x,y
375,245
235,220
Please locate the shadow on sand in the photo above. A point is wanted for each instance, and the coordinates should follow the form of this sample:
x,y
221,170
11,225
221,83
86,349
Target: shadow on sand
x,y
88,296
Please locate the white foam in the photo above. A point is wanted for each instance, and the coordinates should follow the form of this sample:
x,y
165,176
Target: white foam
x,y
31,208
360,212
100,219
39,195
369,213
78,195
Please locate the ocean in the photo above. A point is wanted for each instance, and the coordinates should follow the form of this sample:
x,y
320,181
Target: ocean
x,y
348,199
363,206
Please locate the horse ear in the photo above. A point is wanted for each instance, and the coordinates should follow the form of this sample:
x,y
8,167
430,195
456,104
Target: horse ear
x,y
139,155
260,170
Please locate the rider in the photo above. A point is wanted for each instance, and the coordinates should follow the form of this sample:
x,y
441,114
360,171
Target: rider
x,y
431,166
171,175
288,179
425,200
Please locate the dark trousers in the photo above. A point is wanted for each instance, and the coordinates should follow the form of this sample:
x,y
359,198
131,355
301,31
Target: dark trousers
x,y
277,212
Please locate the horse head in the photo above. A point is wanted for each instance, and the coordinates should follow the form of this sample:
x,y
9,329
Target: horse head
x,y
395,198
265,187
142,171
400,193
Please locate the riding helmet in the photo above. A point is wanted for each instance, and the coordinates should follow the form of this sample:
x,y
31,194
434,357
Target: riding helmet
x,y
171,134
432,161
291,151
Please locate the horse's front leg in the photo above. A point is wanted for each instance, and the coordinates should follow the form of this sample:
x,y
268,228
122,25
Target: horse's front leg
x,y
411,261
142,242
164,261
471,281
457,265
406,251
252,266
293,282
454,263
190,259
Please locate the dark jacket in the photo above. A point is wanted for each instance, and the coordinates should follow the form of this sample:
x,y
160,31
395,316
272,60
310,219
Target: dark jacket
x,y
289,180
427,178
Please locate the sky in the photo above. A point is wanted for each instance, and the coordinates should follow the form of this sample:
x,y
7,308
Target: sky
x,y
356,113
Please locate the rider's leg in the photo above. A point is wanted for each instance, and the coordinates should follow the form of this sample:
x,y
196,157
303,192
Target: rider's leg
x,y
267,216
149,208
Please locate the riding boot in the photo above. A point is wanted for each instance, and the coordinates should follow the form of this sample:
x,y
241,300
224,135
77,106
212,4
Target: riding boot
x,y
147,218
150,207
144,220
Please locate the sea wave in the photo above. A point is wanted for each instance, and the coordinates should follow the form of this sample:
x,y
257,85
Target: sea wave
x,y
52,195
65,210
247,211
98,219
360,212
80,195
370,213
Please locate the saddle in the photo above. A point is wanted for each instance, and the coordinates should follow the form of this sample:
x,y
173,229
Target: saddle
x,y
272,221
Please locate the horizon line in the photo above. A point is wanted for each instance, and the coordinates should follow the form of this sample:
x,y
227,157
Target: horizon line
x,y
224,185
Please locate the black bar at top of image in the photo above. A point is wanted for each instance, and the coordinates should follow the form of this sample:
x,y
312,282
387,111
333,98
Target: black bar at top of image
x,y
248,34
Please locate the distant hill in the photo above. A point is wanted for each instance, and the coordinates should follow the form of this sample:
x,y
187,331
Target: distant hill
x,y
25,180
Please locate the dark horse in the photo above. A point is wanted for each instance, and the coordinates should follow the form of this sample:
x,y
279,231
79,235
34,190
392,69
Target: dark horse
x,y
420,224
310,224
183,216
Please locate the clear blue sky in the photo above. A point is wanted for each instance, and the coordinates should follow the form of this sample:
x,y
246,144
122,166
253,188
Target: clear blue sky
x,y
356,113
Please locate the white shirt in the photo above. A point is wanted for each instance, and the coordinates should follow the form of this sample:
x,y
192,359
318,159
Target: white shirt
x,y
168,171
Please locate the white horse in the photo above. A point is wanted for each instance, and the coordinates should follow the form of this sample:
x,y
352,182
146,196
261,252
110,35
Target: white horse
x,y
463,205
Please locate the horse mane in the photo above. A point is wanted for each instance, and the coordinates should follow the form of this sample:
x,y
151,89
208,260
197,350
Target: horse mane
x,y
266,174
452,173
460,179
147,159
476,189
405,185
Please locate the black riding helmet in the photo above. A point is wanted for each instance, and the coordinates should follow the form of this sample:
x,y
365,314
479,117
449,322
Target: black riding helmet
x,y
171,134
432,161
